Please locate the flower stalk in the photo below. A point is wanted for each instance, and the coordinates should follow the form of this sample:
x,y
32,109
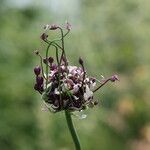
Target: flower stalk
x,y
72,130
64,87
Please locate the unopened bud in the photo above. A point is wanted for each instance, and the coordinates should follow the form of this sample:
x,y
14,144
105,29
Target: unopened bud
x,y
45,61
80,61
114,78
39,80
53,27
51,60
37,70
53,67
44,36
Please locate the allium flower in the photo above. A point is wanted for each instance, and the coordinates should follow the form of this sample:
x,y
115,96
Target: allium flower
x,y
62,86
68,88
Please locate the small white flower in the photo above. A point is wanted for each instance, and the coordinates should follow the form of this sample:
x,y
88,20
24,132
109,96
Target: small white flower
x,y
76,88
64,87
92,86
71,68
88,93
76,98
87,80
56,91
63,67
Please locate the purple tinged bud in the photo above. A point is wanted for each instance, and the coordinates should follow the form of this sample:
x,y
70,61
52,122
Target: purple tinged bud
x,y
53,27
39,80
37,70
44,36
51,60
80,61
114,78
53,67
45,61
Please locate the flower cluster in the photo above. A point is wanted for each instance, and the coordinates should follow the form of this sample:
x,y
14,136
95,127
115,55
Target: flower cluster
x,y
62,86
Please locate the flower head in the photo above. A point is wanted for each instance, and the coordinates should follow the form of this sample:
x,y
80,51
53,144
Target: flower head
x,y
64,86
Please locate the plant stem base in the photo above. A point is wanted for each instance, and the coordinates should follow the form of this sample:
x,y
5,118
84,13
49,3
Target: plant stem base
x,y
72,130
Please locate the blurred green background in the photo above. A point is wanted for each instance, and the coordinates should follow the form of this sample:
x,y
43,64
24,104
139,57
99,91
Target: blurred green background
x,y
113,37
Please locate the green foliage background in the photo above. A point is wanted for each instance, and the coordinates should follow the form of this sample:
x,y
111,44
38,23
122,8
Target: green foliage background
x,y
113,38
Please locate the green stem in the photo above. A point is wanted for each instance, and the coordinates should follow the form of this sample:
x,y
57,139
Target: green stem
x,y
72,130
101,85
63,48
47,63
57,58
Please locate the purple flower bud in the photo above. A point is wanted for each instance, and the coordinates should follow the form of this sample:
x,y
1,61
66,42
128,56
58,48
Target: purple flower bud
x,y
44,36
39,80
80,61
114,78
53,67
53,27
51,60
37,70
45,61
